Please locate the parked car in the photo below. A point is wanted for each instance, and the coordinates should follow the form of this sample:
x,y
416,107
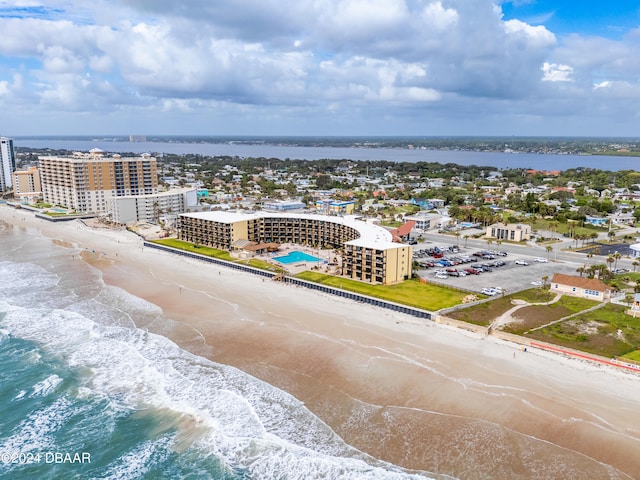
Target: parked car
x,y
540,260
489,291
537,283
521,262
442,275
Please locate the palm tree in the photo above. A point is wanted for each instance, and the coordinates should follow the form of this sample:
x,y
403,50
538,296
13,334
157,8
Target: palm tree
x,y
457,235
635,263
581,270
610,260
616,256
466,237
593,236
545,279
549,249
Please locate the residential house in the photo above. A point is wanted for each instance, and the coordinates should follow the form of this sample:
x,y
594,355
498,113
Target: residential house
x,y
590,288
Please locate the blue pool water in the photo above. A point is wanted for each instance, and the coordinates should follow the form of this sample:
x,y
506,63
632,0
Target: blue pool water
x,y
296,256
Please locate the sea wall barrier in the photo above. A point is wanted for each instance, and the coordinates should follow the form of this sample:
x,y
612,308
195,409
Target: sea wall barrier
x,y
396,307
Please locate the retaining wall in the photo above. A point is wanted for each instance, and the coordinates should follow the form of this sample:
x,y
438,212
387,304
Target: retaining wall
x,y
415,312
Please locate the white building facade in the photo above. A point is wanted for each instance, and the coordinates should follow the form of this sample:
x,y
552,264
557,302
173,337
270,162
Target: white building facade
x,y
132,209
7,163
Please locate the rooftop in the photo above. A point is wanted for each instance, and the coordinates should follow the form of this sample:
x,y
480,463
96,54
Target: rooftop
x,y
371,235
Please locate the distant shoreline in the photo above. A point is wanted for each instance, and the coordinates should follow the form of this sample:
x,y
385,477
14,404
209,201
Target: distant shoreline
x,y
543,160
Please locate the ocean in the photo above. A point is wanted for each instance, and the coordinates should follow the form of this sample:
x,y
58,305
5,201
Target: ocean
x,y
490,159
84,393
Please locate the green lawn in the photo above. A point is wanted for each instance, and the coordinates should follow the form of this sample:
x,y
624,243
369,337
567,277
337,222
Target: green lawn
x,y
410,292
633,356
216,253
190,247
561,228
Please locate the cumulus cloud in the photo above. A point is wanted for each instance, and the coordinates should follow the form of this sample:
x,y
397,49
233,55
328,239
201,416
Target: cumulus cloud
x,y
553,72
320,56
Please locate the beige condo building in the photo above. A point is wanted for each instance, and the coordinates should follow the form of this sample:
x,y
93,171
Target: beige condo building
x,y
87,182
369,254
26,184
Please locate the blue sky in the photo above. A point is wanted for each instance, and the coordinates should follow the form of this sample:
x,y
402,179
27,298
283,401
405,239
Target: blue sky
x,y
320,67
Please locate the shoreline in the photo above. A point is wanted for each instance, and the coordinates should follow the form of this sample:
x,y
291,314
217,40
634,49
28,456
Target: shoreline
x,y
415,393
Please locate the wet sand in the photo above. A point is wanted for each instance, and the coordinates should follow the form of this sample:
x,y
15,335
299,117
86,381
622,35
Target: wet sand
x,y
417,394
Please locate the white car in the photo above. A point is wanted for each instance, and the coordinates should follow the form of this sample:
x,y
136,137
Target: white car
x,y
540,260
521,262
442,275
536,283
489,291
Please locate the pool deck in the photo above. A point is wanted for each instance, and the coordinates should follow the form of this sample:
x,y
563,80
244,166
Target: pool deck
x,y
302,265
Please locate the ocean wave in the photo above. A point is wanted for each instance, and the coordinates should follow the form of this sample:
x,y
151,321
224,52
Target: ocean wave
x,y
248,425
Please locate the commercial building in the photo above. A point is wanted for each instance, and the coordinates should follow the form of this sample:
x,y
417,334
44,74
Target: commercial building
x,y
7,163
336,207
369,254
132,209
88,182
284,205
26,184
512,232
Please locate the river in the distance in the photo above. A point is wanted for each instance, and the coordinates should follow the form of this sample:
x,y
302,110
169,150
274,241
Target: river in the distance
x,y
499,160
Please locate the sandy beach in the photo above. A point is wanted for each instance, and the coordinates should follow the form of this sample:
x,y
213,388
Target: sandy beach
x,y
418,394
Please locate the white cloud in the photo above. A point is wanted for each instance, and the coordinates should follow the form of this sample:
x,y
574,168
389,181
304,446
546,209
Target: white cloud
x,y
553,72
274,58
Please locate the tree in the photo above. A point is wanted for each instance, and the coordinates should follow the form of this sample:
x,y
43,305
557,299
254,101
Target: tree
x,y
610,260
549,249
635,263
616,256
581,270
545,279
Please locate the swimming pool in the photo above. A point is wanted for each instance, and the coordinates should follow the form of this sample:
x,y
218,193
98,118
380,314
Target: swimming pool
x,y
296,256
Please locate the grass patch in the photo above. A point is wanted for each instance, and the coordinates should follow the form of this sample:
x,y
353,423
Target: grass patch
x,y
537,315
607,331
485,313
191,247
633,356
216,253
410,292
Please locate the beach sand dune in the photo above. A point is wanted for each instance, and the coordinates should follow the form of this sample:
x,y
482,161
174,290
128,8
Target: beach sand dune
x,y
415,393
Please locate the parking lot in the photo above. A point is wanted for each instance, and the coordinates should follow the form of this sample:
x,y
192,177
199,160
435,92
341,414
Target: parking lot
x,y
475,269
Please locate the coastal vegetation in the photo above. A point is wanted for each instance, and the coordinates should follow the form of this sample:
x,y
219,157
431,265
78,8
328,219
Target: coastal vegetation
x,y
607,331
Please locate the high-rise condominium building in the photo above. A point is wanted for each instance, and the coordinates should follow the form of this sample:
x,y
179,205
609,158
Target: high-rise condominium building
x,y
7,163
87,182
